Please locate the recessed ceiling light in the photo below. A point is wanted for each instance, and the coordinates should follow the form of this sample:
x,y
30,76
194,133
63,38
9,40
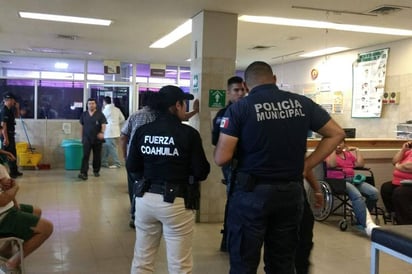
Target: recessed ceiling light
x,y
6,51
323,25
176,34
324,52
60,51
61,65
64,18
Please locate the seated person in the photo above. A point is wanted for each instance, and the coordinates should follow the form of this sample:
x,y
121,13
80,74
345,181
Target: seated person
x,y
346,159
21,221
6,156
402,202
402,162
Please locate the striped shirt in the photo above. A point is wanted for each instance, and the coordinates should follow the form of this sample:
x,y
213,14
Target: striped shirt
x,y
137,119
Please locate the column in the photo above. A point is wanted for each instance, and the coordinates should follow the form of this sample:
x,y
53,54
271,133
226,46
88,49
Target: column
x,y
213,57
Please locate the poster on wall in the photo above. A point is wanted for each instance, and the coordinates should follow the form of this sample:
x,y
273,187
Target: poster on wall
x,y
322,94
369,73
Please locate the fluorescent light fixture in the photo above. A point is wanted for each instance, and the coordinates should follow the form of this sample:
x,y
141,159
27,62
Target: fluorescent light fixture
x,y
64,18
188,60
323,25
61,65
178,33
324,52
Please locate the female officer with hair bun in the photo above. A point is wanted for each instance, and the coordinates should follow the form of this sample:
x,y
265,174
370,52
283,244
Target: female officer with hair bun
x,y
166,159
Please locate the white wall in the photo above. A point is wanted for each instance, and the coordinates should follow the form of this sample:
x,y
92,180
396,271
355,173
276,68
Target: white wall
x,y
337,69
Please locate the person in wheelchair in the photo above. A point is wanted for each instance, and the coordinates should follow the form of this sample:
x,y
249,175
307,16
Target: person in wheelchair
x,y
340,165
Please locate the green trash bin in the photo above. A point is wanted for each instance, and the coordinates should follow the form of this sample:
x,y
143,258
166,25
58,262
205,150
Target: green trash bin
x,y
73,153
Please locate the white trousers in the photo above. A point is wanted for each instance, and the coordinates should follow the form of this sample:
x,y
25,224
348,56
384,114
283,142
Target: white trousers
x,y
153,217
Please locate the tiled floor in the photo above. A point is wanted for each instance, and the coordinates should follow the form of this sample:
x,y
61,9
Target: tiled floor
x,y
91,233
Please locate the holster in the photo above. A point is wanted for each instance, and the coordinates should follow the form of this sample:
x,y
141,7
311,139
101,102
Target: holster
x,y
192,197
140,187
245,182
169,193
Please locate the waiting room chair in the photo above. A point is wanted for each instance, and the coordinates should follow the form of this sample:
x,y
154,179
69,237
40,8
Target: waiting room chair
x,y
16,246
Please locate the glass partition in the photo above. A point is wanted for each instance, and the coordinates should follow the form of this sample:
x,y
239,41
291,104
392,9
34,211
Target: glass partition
x,y
56,88
59,99
24,91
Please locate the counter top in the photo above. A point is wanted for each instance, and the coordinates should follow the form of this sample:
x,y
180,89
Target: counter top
x,y
366,143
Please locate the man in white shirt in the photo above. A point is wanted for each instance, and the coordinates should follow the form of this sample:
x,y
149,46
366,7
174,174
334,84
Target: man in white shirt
x,y
114,118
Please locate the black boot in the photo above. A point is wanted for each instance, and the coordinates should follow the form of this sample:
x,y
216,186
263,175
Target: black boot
x,y
223,244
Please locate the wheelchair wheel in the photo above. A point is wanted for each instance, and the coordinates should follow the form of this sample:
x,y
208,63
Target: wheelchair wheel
x,y
343,225
321,214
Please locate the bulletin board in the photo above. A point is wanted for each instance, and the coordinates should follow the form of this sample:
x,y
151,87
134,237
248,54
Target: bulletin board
x,y
322,94
369,73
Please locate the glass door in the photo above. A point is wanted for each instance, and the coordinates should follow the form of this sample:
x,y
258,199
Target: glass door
x,y
120,94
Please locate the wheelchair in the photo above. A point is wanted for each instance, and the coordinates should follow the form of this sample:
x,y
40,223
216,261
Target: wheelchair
x,y
335,198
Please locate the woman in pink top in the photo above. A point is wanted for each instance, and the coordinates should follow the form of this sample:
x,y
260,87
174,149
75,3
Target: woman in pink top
x,y
402,162
346,159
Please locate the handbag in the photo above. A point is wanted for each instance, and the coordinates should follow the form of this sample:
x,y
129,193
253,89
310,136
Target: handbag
x,y
358,179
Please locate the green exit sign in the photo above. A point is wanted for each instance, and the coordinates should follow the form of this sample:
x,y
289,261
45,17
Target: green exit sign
x,y
217,98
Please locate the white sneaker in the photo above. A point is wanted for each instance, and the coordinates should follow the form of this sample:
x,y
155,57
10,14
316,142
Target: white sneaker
x,y
370,225
369,229
114,166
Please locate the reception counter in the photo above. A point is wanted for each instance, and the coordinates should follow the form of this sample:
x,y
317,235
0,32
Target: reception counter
x,y
366,143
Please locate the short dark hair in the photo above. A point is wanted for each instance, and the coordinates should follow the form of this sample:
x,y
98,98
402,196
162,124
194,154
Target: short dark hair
x,y
258,70
92,99
234,80
147,97
107,99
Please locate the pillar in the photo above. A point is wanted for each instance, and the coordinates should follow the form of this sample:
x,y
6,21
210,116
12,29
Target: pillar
x,y
213,58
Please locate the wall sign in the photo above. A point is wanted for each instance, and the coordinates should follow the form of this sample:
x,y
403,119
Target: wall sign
x,y
111,67
314,73
369,73
217,98
195,83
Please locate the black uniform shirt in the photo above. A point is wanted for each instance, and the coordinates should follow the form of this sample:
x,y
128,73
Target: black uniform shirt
x,y
167,150
7,116
216,124
92,125
272,127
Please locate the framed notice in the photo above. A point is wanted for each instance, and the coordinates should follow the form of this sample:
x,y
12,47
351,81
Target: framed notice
x,y
369,73
111,67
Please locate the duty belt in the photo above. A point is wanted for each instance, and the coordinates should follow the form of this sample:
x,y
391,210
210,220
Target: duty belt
x,y
159,188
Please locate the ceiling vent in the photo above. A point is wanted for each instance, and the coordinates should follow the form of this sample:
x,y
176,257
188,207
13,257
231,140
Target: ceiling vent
x,y
261,47
67,37
6,51
387,9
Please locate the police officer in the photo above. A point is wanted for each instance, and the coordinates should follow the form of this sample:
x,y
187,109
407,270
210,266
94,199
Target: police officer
x,y
235,91
167,159
268,129
8,123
